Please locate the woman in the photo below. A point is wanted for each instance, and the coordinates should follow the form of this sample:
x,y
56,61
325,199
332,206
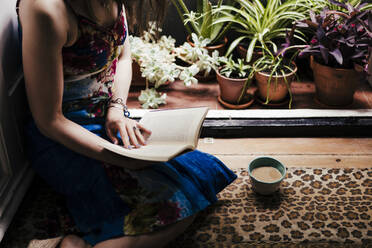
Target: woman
x,y
77,68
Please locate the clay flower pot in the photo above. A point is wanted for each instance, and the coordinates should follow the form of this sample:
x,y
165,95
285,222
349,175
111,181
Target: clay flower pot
x,y
370,69
334,86
231,89
278,89
242,51
137,79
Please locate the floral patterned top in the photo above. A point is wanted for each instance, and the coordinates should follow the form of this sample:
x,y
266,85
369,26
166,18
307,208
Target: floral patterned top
x,y
89,65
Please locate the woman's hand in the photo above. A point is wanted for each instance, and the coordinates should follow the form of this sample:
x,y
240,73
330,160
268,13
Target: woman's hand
x,y
132,133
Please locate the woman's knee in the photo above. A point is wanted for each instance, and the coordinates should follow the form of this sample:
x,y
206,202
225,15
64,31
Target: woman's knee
x,y
73,241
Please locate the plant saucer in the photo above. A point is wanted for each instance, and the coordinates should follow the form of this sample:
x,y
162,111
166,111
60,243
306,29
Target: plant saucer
x,y
323,105
271,104
248,101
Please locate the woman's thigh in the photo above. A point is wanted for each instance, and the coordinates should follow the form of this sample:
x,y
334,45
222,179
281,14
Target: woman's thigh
x,y
155,239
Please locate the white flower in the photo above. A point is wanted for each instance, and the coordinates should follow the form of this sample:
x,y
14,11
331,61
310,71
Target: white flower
x,y
150,98
187,75
157,62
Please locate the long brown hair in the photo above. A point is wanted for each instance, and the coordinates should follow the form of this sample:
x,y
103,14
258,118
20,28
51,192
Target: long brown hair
x,y
140,12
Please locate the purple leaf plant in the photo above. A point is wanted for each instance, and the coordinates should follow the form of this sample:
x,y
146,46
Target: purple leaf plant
x,y
341,39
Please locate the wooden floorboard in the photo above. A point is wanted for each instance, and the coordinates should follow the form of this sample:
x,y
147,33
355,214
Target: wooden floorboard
x,y
293,152
308,161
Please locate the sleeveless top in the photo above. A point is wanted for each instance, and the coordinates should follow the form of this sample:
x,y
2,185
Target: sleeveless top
x,y
89,65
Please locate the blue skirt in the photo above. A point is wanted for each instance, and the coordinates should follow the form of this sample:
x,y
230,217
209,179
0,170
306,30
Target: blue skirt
x,y
108,202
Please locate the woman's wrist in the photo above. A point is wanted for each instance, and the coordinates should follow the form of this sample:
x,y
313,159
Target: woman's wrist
x,y
118,103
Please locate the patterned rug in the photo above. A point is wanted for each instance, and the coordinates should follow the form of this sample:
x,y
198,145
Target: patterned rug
x,y
314,208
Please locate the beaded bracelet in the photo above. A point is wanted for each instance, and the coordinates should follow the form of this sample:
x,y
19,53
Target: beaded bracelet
x,y
119,101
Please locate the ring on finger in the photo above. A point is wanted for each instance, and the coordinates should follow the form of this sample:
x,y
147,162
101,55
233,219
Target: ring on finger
x,y
134,128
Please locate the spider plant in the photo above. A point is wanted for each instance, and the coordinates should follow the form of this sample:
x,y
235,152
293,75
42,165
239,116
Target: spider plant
x,y
261,25
276,65
202,22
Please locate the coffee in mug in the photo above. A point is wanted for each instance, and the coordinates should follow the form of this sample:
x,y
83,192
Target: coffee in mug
x,y
266,174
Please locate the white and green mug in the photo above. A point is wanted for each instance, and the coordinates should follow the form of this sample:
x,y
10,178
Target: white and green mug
x,y
266,174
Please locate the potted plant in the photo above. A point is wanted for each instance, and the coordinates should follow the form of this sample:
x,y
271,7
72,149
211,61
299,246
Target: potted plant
x,y
274,74
370,69
202,23
339,45
261,24
199,56
156,61
147,50
232,78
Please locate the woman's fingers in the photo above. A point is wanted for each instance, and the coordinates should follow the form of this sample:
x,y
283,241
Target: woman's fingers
x,y
124,137
112,135
139,135
132,135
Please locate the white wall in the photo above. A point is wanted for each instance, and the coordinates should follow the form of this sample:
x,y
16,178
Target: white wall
x,y
15,174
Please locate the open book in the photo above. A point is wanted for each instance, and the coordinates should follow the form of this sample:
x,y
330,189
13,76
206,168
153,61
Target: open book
x,y
173,132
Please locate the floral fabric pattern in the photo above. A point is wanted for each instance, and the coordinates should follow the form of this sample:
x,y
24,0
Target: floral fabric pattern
x,y
89,65
154,200
96,48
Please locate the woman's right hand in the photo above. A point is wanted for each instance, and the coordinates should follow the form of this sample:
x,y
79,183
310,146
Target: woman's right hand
x,y
132,133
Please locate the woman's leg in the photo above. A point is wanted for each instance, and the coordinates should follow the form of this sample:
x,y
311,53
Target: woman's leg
x,y
72,241
156,239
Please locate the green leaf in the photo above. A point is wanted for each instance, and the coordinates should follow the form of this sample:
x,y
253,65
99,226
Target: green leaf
x,y
234,44
179,11
250,50
231,19
205,29
199,6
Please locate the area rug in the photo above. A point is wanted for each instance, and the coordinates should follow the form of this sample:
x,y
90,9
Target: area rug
x,y
314,208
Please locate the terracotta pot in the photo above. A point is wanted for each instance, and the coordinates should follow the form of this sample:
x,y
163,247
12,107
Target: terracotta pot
x,y
242,51
220,47
334,86
278,87
370,69
137,79
230,88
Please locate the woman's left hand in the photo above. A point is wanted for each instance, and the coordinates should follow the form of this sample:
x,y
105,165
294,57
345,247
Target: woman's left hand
x,y
132,133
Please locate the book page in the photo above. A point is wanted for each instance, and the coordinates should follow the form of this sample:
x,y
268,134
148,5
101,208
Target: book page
x,y
156,151
173,131
181,125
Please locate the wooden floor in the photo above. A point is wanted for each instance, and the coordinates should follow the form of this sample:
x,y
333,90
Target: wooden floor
x,y
293,152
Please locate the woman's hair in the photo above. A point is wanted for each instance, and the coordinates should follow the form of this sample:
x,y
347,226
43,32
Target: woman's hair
x,y
139,12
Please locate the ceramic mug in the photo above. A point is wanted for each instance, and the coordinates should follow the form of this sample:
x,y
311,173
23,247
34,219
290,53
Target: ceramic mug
x,y
262,187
